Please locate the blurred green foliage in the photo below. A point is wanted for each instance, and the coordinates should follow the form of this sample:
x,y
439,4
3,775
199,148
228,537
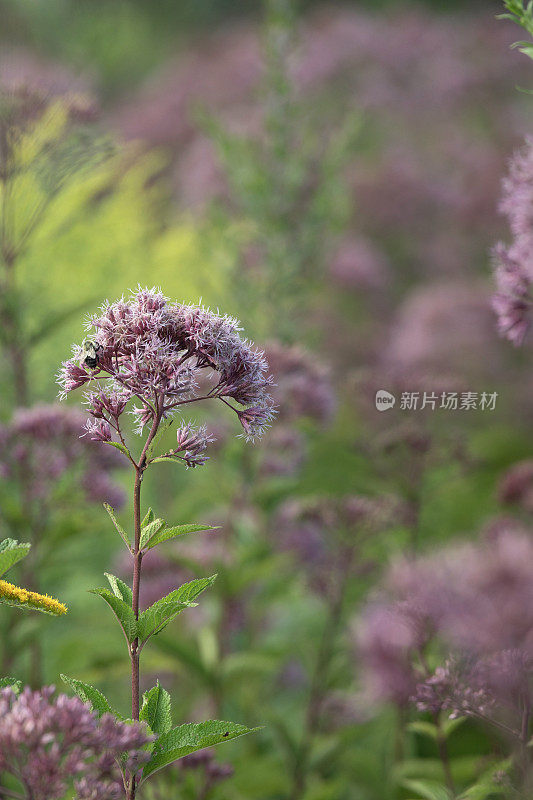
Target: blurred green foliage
x,y
108,229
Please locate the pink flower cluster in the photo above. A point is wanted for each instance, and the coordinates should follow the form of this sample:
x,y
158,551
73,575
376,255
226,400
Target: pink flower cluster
x,y
303,390
30,82
303,386
51,744
491,688
388,636
474,603
516,485
45,442
513,300
161,356
325,534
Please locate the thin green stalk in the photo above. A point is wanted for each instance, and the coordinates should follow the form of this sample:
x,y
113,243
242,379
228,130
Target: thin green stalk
x,y
137,563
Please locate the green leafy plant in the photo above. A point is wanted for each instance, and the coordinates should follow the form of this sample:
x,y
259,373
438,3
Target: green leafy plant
x,y
521,12
288,185
147,351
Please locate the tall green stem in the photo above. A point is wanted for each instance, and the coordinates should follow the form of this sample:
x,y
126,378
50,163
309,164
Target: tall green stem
x,y
137,563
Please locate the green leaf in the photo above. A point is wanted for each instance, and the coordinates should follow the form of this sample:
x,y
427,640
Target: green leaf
x,y
171,533
523,90
464,769
11,683
117,525
157,617
429,790
120,589
424,728
190,591
489,783
151,529
88,694
449,725
189,738
156,709
12,551
482,791
122,611
522,46
148,518
176,459
121,447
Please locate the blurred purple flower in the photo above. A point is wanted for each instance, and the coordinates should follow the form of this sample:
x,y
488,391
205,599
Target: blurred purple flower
x,y
48,442
478,596
388,638
205,760
513,265
30,83
517,192
473,602
52,744
444,327
324,534
456,688
513,300
496,688
358,264
283,452
516,485
303,386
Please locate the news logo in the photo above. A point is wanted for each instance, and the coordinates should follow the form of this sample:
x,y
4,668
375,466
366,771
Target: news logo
x,y
384,400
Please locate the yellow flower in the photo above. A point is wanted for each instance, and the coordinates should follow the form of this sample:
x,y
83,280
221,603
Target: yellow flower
x,y
15,595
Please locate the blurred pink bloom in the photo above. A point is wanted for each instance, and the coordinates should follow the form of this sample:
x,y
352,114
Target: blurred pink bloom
x,y
302,384
26,75
52,745
48,442
445,327
358,264
516,485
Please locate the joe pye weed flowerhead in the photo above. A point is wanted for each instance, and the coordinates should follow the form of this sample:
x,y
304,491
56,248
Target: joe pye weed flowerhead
x,y
154,354
50,744
149,357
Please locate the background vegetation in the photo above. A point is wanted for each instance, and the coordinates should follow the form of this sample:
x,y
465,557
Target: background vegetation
x,y
330,175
